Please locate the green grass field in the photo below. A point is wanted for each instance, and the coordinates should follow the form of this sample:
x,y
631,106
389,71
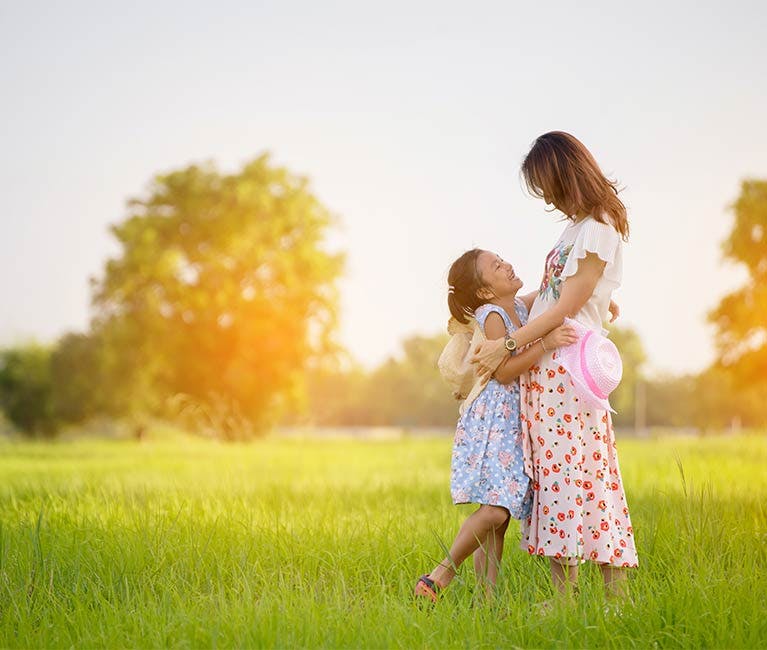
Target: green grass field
x,y
302,543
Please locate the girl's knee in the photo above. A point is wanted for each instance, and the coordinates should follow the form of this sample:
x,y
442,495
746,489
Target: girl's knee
x,y
496,516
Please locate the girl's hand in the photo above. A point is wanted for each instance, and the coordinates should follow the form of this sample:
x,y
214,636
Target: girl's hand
x,y
614,310
561,337
488,356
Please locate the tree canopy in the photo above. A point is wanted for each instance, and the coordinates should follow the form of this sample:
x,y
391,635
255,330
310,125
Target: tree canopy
x,y
26,388
222,292
741,316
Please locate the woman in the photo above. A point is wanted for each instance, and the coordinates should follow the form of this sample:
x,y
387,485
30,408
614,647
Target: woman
x,y
579,506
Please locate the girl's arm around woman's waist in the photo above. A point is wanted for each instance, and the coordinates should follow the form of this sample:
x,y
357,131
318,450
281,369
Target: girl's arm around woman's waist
x,y
575,293
513,366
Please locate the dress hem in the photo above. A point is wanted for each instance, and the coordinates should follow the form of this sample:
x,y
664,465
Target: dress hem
x,y
582,559
479,502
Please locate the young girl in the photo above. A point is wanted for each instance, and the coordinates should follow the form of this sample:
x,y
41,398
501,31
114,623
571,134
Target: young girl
x,y
487,465
579,506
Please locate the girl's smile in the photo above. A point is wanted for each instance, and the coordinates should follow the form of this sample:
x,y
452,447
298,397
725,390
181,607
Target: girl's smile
x,y
498,275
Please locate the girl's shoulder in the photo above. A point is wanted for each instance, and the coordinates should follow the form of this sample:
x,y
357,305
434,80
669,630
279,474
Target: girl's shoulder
x,y
482,312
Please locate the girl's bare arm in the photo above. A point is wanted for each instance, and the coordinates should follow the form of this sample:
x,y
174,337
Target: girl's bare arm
x,y
513,366
576,290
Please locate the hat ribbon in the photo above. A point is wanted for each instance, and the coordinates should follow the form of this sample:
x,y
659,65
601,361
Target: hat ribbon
x,y
584,368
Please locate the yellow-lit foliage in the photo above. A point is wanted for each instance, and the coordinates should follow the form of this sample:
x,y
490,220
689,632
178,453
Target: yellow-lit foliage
x,y
223,289
741,316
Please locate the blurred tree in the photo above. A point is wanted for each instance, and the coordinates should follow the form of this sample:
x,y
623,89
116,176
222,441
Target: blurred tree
x,y
409,391
623,399
741,316
222,291
405,390
671,401
79,387
26,389
337,397
721,400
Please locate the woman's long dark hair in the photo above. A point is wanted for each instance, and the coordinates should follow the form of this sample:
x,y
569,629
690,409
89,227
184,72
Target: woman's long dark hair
x,y
464,283
562,171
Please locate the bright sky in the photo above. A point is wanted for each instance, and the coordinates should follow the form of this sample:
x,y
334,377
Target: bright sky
x,y
411,119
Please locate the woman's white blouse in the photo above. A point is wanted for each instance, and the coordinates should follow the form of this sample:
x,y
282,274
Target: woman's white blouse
x,y
578,239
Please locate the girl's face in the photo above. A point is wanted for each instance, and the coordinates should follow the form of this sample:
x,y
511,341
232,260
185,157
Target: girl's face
x,y
497,275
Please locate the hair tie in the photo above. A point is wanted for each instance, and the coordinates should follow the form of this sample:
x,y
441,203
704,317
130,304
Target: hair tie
x,y
450,288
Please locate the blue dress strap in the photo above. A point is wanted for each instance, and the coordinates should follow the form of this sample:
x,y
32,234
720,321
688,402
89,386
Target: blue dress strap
x,y
485,310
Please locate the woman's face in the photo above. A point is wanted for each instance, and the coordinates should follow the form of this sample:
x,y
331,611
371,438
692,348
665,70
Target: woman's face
x,y
497,275
559,205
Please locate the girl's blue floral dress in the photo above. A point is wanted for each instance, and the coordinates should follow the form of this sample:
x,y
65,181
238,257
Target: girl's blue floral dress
x,y
488,465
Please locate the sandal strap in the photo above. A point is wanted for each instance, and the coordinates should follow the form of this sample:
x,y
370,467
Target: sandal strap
x,y
429,583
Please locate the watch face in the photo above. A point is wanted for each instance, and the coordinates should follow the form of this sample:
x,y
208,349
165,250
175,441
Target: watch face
x,y
510,344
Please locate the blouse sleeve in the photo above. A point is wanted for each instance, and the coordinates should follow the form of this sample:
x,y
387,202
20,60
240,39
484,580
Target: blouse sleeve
x,y
603,240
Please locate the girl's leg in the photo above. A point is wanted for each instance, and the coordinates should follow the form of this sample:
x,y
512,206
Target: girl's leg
x,y
615,579
477,527
495,553
480,558
487,570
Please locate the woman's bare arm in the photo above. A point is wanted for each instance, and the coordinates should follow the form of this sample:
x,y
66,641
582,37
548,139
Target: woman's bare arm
x,y
614,310
575,292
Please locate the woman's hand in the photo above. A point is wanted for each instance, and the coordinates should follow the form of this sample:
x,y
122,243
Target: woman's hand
x,y
488,356
614,310
561,337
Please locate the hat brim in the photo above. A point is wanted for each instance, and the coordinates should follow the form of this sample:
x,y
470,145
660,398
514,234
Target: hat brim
x,y
569,360
585,394
570,364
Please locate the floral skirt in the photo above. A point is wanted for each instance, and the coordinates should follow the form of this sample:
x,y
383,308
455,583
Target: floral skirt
x,y
579,506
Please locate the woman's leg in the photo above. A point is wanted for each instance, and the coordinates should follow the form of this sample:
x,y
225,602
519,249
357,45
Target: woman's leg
x,y
477,528
564,576
615,579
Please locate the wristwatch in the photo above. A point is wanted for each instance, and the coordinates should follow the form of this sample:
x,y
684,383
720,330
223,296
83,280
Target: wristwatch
x,y
510,344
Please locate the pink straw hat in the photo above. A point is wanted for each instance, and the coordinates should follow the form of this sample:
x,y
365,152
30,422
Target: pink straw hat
x,y
594,365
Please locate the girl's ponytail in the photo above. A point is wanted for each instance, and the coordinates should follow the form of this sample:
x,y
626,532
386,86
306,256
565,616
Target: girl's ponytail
x,y
463,285
456,309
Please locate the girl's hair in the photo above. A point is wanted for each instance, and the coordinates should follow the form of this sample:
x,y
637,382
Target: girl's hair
x,y
464,282
560,169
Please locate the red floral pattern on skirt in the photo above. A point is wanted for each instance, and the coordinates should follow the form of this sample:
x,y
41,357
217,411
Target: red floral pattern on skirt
x,y
579,507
